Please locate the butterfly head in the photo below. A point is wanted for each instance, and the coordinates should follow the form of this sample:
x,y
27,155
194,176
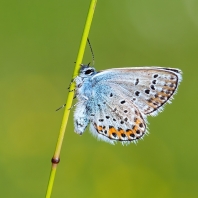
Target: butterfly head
x,y
86,71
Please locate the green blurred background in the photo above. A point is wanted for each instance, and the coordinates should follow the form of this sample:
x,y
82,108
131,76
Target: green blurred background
x,y
39,41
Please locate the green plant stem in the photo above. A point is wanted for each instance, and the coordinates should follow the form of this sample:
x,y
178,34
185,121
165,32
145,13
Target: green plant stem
x,y
56,157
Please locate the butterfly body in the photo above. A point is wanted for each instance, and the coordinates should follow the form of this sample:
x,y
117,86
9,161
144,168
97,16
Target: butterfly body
x,y
116,102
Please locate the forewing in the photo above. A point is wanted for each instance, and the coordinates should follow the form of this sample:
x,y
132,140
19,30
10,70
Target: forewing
x,y
148,88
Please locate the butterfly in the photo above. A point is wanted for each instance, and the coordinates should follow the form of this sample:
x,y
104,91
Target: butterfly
x,y
116,102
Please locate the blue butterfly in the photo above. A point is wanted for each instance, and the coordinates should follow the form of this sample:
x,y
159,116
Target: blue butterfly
x,y
116,102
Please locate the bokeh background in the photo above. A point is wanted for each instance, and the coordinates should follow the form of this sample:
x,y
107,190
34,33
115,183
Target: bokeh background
x,y
39,41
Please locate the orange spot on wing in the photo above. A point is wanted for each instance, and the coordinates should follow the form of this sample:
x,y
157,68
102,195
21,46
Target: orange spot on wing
x,y
169,88
99,128
112,130
120,132
138,121
151,105
157,100
128,132
163,94
133,131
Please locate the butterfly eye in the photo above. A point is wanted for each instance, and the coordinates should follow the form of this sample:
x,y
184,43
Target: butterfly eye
x,y
89,71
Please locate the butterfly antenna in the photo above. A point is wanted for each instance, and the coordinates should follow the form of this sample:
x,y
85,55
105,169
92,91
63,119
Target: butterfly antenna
x,y
91,50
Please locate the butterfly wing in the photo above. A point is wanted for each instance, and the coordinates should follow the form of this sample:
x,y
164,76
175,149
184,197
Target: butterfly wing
x,y
114,117
148,88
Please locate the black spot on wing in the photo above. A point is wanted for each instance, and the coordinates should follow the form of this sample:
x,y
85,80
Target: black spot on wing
x,y
137,81
137,93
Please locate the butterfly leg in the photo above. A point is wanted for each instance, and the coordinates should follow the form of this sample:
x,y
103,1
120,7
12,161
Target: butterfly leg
x,y
72,81
61,107
72,90
73,106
